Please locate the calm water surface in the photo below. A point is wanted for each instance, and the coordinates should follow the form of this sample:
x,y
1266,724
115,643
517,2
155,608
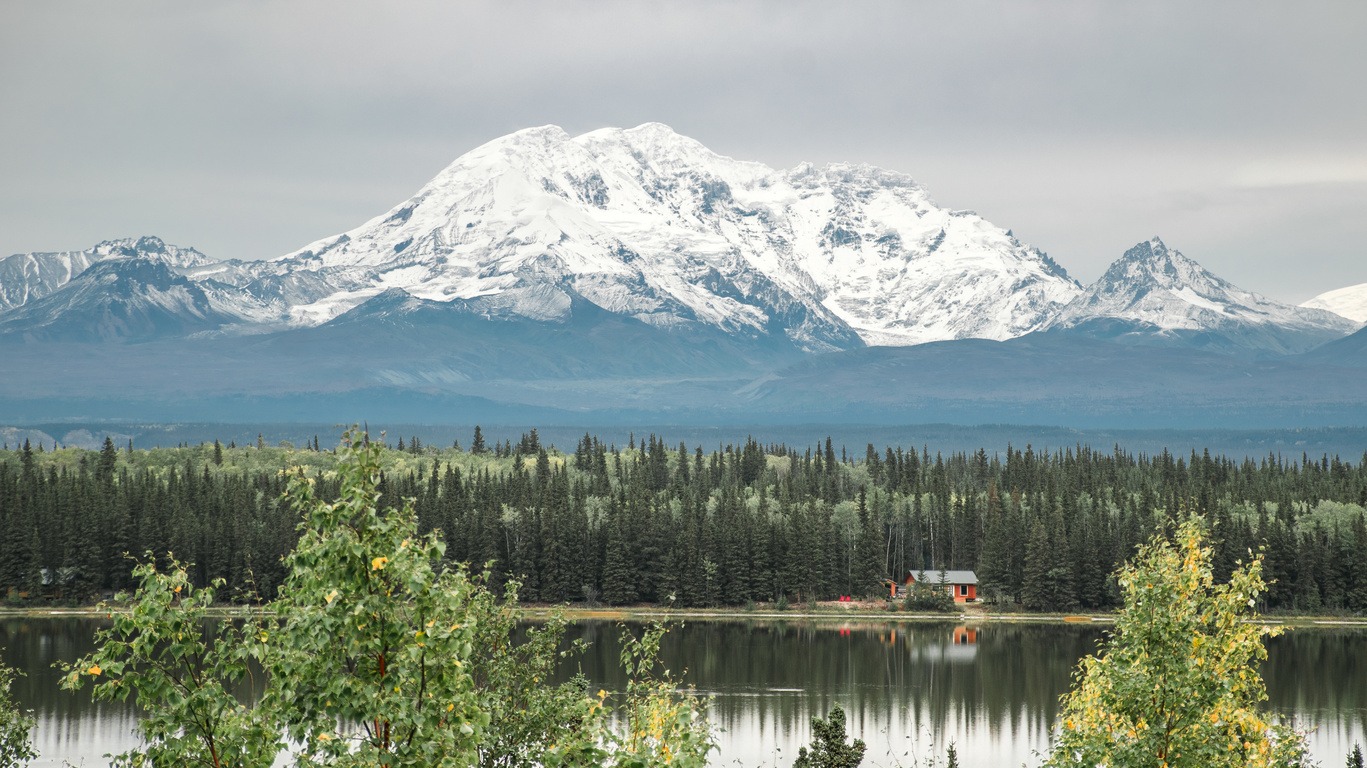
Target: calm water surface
x,y
909,689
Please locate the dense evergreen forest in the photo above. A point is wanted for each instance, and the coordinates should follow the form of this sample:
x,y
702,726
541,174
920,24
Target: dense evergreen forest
x,y
740,524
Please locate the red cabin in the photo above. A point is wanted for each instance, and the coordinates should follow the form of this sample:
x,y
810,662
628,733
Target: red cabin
x,y
962,585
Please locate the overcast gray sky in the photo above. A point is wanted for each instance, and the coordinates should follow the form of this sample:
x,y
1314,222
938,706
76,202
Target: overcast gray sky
x,y
1237,131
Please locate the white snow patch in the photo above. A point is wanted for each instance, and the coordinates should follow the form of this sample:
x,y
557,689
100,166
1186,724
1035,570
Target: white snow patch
x,y
1191,297
1350,302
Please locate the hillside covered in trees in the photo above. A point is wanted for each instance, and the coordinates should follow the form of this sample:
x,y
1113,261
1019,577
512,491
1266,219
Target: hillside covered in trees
x,y
739,524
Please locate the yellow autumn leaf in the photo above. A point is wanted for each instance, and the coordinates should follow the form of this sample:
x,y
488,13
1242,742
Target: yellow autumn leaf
x,y
378,563
94,670
331,596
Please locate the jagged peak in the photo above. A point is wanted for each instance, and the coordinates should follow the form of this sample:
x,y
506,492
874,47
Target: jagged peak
x,y
1155,294
854,172
654,140
151,244
1151,250
144,243
130,247
1153,262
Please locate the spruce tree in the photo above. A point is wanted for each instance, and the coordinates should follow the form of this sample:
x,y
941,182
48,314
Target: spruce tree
x,y
620,585
828,747
1036,591
109,459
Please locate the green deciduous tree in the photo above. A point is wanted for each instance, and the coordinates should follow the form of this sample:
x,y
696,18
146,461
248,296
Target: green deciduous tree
x,y
537,723
1177,683
158,653
375,654
661,725
15,726
373,642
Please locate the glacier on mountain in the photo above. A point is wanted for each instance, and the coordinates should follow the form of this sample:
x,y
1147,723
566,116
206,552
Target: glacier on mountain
x,y
650,224
653,227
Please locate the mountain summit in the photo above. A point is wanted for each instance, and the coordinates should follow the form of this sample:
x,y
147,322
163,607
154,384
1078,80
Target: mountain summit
x,y
641,223
1154,294
26,277
649,224
119,299
637,275
644,236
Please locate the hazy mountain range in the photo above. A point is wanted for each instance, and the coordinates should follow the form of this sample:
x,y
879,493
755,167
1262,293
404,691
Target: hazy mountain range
x,y
636,272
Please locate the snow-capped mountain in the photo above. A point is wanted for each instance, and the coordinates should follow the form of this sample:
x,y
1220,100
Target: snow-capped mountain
x,y
25,277
652,225
638,275
1153,294
1351,302
125,298
653,228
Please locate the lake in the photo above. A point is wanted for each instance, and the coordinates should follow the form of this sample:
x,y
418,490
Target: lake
x,y
909,688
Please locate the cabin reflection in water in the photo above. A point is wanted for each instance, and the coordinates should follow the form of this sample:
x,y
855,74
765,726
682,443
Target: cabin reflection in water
x,y
961,644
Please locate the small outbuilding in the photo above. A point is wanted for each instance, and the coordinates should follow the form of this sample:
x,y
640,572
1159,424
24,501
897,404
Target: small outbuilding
x,y
962,585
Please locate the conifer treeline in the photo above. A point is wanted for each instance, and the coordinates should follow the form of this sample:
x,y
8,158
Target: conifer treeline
x,y
745,523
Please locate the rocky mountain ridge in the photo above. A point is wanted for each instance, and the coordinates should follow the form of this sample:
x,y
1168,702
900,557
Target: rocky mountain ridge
x,y
651,225
26,277
1153,294
654,229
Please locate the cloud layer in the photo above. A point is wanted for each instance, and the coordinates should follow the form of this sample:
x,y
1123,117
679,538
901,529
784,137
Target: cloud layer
x,y
247,129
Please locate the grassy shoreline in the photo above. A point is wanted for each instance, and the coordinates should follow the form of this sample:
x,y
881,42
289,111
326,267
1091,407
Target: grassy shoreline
x,y
825,613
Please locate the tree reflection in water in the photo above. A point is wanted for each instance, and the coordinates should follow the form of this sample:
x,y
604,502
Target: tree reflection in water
x,y
908,688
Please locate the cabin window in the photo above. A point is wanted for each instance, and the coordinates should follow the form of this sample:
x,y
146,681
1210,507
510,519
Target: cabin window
x,y
963,590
